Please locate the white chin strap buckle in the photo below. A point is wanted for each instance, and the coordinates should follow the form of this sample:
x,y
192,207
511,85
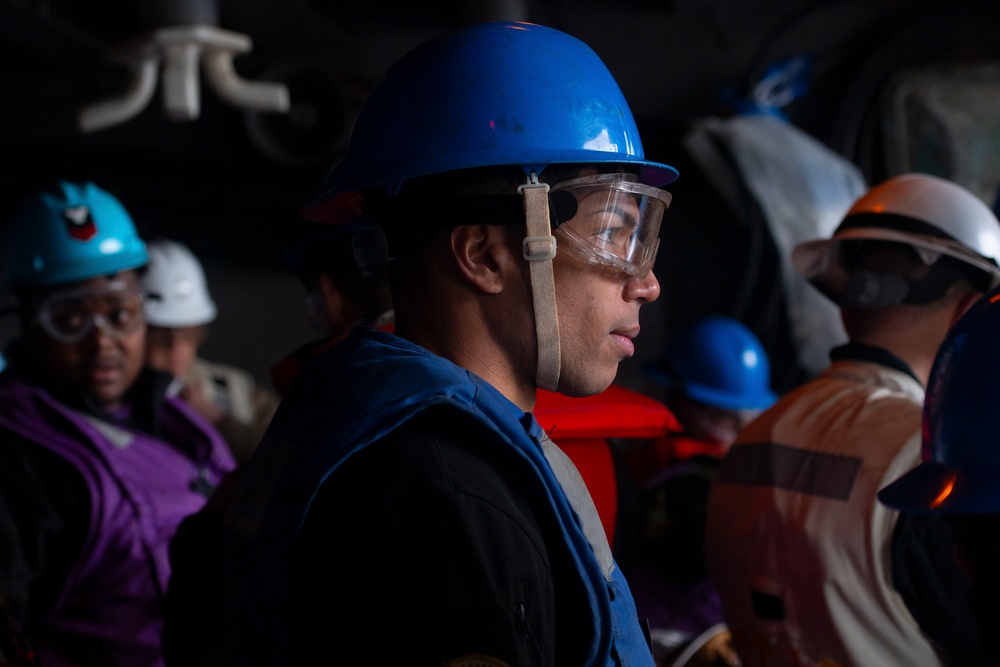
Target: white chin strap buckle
x,y
537,248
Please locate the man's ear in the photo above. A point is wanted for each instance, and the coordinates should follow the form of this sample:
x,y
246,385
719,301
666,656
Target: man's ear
x,y
481,255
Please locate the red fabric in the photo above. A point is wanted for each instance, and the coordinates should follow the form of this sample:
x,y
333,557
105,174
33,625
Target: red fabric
x,y
616,412
581,427
683,448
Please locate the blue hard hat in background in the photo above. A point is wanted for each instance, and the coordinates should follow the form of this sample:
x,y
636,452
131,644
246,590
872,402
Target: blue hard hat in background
x,y
489,94
720,362
70,232
960,472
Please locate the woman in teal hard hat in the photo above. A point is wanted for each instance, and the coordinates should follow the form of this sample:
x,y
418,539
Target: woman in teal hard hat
x,y
98,466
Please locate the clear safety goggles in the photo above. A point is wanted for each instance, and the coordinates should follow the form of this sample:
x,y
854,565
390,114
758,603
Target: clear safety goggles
x,y
69,316
615,222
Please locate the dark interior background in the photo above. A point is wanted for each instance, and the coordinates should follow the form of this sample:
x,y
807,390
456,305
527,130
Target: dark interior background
x,y
230,183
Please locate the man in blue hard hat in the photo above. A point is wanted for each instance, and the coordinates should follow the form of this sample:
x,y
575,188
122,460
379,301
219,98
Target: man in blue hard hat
x,y
810,568
97,466
405,506
715,376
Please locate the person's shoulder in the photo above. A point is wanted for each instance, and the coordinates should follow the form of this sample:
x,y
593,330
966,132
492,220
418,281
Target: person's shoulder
x,y
25,459
443,445
27,419
33,476
442,459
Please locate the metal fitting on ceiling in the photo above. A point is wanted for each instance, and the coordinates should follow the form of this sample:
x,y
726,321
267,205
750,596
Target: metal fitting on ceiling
x,y
179,50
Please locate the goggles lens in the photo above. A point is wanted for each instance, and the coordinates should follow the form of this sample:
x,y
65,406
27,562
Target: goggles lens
x,y
616,221
69,316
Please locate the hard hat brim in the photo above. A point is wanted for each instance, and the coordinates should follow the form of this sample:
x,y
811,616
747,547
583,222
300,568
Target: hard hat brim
x,y
760,400
933,487
816,259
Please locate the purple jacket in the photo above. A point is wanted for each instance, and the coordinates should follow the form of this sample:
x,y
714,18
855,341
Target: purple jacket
x,y
140,487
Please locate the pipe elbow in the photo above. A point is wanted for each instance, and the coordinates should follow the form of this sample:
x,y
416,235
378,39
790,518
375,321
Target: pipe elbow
x,y
117,110
228,85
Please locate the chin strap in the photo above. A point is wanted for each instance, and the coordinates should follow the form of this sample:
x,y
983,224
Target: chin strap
x,y
539,248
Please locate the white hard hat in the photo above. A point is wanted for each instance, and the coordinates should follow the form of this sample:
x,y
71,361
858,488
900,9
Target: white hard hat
x,y
176,290
933,215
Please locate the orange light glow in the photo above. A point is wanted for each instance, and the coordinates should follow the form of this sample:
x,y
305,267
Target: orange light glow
x,y
945,492
995,298
878,208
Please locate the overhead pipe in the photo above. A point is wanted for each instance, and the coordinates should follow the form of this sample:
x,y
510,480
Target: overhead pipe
x,y
180,49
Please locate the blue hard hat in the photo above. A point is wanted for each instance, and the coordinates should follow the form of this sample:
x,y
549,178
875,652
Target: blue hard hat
x,y
718,361
70,232
489,94
961,448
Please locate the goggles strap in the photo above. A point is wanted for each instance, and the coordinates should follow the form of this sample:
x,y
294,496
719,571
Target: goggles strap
x,y
539,249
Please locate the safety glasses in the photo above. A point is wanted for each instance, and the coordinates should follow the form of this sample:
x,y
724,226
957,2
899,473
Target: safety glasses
x,y
615,223
69,316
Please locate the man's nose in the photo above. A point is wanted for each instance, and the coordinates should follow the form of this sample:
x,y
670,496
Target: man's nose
x,y
645,289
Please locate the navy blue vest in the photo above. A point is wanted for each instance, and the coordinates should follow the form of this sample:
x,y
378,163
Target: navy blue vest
x,y
347,398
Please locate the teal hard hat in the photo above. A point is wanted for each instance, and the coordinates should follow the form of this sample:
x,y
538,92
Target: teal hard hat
x,y
960,444
489,94
720,362
70,232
